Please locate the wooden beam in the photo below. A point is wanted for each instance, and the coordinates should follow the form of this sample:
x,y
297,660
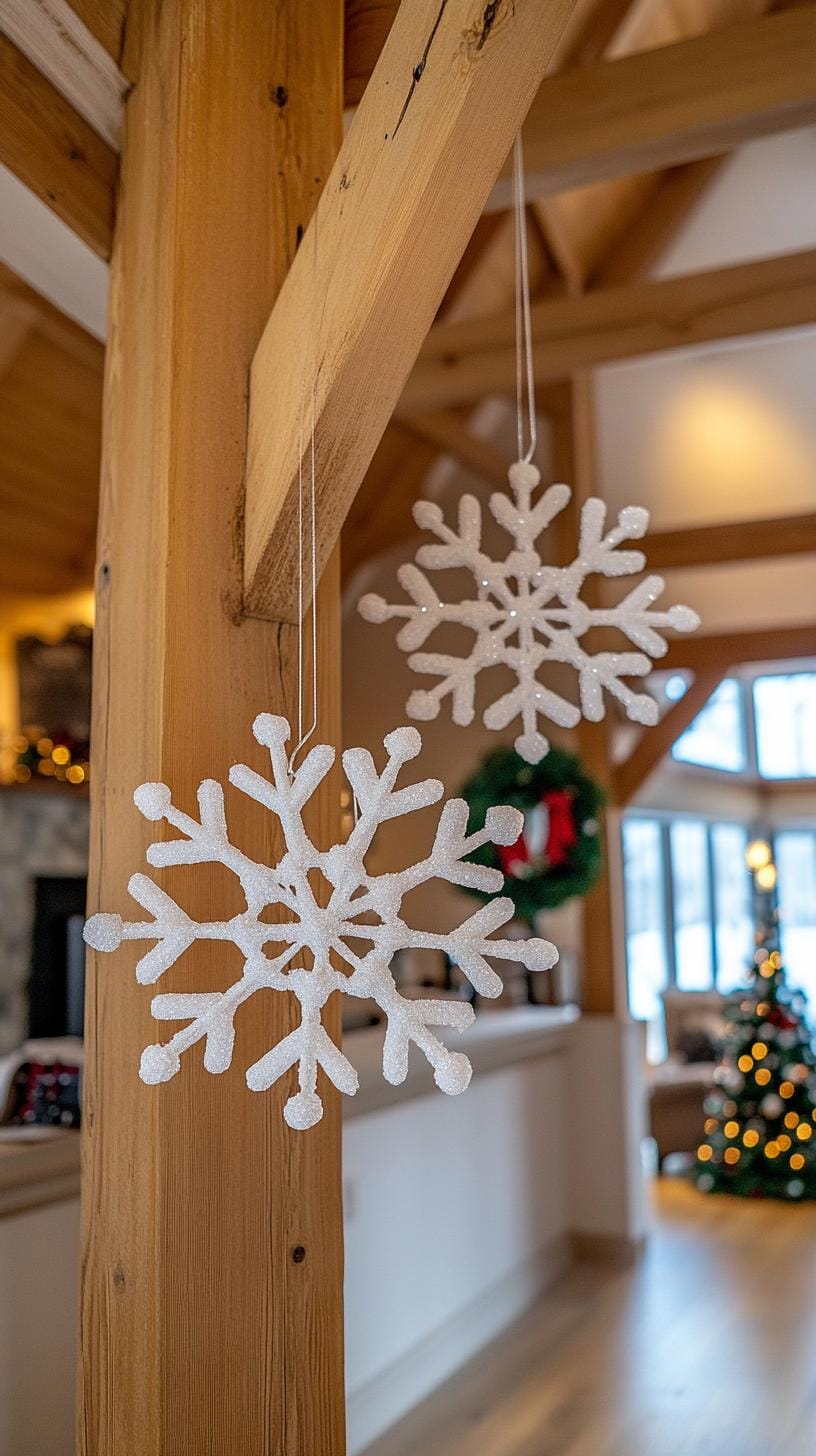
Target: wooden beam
x,y
733,541
367,26
655,226
53,150
655,743
448,94
368,23
50,321
59,44
675,104
201,1329
105,19
591,31
449,434
461,362
381,514
731,649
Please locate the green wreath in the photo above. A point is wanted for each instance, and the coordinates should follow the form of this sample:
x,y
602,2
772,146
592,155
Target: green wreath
x,y
558,854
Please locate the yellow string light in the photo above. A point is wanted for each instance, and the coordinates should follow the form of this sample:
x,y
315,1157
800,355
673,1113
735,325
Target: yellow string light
x,y
745,1063
804,1132
784,1141
763,1076
759,1050
704,1153
786,1089
797,1161
732,1155
772,1149
751,1137
791,1119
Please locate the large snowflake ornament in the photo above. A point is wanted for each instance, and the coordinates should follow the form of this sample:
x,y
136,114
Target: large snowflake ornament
x,y
526,613
346,944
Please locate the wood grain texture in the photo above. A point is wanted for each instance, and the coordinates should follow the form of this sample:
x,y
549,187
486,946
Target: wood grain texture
x,y
54,151
461,362
57,42
655,743
679,1355
199,1331
673,104
428,138
105,20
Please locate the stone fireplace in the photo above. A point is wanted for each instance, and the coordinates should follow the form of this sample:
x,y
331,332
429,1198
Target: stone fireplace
x,y
43,838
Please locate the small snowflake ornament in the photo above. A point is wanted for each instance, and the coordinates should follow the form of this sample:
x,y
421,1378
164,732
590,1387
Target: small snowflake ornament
x,y
362,909
526,613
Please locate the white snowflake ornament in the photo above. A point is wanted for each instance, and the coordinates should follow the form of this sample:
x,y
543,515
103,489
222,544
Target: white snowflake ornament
x,y
361,907
526,613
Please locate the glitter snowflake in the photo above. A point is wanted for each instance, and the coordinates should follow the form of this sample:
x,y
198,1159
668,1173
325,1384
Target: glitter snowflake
x,y
526,613
361,908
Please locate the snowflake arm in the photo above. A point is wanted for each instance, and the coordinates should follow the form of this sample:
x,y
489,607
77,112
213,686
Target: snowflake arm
x,y
361,908
526,613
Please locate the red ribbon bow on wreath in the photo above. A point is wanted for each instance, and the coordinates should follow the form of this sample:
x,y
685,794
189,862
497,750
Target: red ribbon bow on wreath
x,y
548,836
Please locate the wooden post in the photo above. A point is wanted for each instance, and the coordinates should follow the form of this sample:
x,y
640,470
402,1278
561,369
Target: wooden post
x,y
211,1317
573,449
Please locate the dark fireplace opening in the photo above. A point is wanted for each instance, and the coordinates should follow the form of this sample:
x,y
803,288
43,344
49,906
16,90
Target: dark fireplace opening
x,y
56,1004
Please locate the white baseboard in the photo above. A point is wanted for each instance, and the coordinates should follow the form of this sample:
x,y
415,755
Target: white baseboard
x,y
377,1405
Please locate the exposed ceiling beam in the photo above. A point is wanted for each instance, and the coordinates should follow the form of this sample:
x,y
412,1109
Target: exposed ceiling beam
x,y
658,108
447,433
657,223
367,25
60,45
733,541
50,321
651,749
731,649
54,151
105,20
462,362
591,31
428,139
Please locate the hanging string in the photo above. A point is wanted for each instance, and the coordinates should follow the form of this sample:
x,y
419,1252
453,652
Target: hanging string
x,y
525,380
305,735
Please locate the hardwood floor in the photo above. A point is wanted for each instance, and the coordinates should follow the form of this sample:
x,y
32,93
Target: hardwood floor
x,y
706,1348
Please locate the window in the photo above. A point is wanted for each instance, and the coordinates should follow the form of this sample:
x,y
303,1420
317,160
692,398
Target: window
x,y
687,896
716,738
694,969
785,718
796,864
734,924
646,951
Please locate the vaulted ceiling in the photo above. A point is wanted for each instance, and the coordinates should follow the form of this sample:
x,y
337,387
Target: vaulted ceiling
x,y
609,232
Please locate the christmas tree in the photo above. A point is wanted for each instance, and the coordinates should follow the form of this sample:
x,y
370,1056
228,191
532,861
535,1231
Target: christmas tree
x,y
760,1118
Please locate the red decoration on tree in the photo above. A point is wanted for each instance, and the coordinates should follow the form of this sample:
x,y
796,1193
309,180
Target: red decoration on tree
x,y
547,839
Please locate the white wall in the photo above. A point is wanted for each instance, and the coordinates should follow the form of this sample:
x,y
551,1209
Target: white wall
x,y
39,1281
456,1216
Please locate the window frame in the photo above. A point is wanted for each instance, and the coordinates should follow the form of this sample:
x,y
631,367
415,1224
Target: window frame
x,y
665,818
750,774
